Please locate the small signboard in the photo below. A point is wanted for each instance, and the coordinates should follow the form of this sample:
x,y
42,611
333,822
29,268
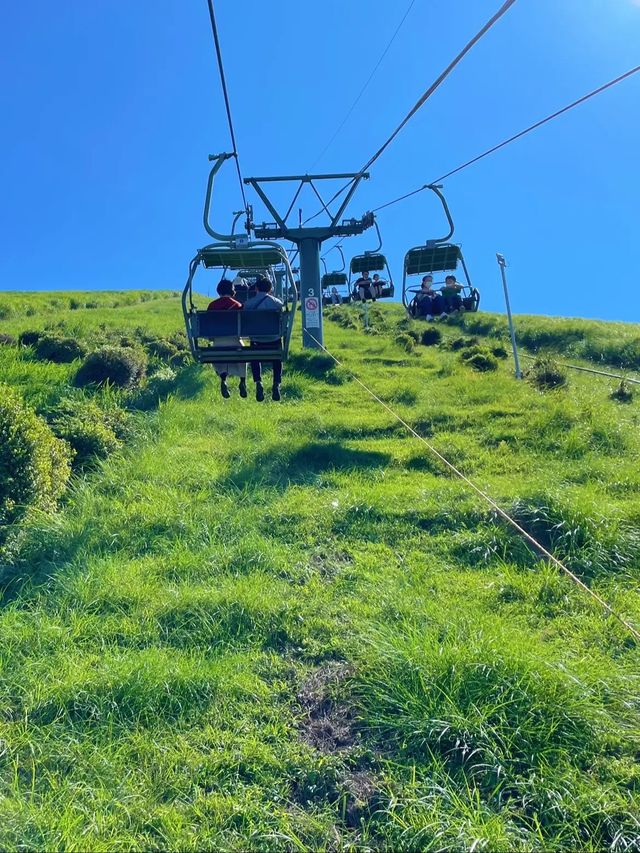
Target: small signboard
x,y
312,311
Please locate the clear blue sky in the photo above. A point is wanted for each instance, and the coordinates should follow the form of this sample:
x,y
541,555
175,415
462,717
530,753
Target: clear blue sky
x,y
110,108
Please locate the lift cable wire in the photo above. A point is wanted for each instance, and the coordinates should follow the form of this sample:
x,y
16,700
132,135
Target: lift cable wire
x,y
630,379
364,88
425,97
495,506
223,80
517,136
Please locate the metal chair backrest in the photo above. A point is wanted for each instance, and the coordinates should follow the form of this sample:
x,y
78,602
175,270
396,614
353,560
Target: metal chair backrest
x,y
430,259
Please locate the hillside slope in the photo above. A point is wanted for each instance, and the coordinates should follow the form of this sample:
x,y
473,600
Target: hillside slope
x,y
264,626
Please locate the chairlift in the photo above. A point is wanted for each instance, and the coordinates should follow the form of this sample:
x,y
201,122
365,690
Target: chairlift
x,y
204,327
238,253
372,261
338,280
437,256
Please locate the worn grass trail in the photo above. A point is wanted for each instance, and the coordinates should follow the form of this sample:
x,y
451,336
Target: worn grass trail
x,y
285,627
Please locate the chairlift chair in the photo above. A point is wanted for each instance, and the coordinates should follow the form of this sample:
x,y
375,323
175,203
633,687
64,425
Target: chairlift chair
x,y
205,327
437,256
373,261
337,279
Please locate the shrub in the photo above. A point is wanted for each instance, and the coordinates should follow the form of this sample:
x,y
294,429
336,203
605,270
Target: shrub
x,y
29,338
92,304
338,376
162,349
479,358
623,393
34,464
7,340
92,432
546,373
158,387
120,366
74,304
431,336
58,349
590,544
5,312
405,341
463,343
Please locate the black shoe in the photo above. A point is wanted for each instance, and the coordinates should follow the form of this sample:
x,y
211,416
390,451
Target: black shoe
x,y
243,387
275,393
259,392
224,389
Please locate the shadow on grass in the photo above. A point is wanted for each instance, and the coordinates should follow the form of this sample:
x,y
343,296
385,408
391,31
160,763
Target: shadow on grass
x,y
280,467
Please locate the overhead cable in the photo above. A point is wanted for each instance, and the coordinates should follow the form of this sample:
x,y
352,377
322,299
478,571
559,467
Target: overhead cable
x,y
425,96
364,88
516,136
223,80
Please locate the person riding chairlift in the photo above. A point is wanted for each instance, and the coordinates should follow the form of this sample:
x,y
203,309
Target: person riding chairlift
x,y
451,293
378,284
429,302
226,302
364,288
265,301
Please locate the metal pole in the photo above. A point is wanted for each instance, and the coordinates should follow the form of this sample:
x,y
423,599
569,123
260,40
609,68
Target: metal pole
x,y
365,313
311,293
502,264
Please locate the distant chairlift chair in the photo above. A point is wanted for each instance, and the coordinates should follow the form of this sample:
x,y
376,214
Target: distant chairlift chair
x,y
371,262
437,256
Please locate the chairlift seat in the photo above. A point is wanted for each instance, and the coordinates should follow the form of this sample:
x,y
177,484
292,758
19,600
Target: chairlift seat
x,y
259,326
368,262
429,259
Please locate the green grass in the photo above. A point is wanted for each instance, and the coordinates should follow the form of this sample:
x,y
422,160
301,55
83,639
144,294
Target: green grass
x,y
286,627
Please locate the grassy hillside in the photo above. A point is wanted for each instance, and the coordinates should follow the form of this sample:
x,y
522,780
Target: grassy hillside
x,y
284,626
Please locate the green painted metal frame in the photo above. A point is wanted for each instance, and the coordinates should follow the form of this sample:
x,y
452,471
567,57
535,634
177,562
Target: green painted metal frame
x,y
432,257
233,256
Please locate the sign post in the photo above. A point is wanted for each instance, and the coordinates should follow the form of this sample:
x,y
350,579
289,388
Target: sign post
x,y
502,264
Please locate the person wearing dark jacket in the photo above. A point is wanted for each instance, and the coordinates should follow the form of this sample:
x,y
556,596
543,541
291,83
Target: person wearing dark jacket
x,y
265,301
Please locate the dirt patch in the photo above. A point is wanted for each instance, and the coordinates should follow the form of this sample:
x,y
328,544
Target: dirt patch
x,y
327,724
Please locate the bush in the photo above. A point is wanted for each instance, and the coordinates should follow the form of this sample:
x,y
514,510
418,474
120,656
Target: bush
x,y
463,343
480,358
119,366
5,312
58,349
623,393
87,428
34,464
7,340
164,350
74,304
546,373
29,338
92,304
158,387
431,336
405,341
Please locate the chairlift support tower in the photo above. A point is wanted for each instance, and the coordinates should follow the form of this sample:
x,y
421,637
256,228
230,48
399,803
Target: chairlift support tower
x,y
309,241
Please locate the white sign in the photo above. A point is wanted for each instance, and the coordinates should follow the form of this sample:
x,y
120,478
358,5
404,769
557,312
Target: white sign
x,y
312,311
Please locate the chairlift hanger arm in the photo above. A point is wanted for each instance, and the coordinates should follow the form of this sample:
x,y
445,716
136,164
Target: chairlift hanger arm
x,y
379,246
436,188
219,160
